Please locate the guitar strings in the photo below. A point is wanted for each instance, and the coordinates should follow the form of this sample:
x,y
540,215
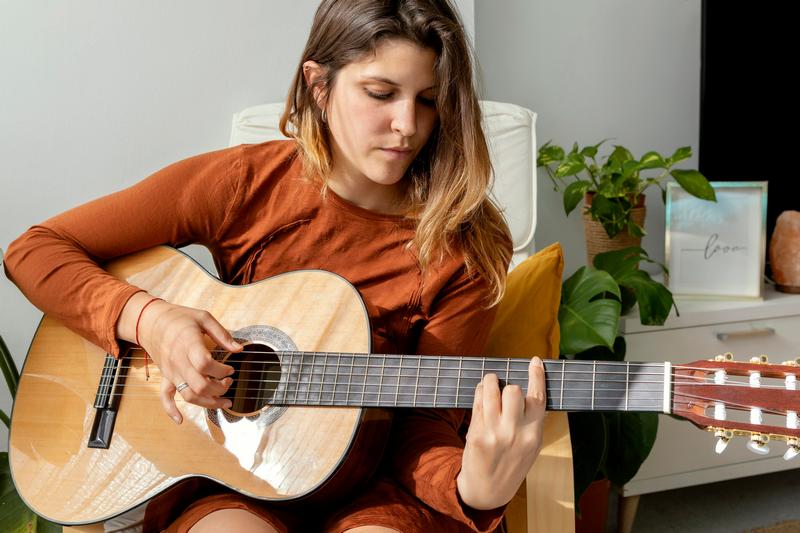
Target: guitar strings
x,y
518,374
297,393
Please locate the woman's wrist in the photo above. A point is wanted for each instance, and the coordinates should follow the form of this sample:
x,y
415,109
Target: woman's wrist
x,y
475,496
126,323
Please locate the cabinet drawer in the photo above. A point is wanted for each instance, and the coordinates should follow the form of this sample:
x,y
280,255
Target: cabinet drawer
x,y
683,454
779,338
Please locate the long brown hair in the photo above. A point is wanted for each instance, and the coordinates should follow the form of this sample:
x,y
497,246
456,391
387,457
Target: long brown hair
x,y
449,182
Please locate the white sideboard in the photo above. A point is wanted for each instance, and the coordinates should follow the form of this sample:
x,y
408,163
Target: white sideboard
x,y
684,455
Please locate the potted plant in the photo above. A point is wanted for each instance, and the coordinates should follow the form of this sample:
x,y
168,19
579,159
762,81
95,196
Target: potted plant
x,y
14,514
612,189
608,447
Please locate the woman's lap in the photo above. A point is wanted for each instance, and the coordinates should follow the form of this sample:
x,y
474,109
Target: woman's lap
x,y
383,503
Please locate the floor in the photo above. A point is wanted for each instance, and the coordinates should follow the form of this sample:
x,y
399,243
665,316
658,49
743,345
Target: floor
x,y
734,506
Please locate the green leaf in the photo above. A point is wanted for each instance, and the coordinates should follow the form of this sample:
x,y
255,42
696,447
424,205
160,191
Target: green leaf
x,y
573,194
585,318
591,151
695,184
589,442
652,160
15,516
620,155
630,438
654,299
549,154
571,166
9,368
602,353
684,152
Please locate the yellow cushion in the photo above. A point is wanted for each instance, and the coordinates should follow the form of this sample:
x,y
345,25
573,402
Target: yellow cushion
x,y
527,318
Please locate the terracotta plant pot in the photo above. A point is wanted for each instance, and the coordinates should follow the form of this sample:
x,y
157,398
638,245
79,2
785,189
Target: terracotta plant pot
x,y
598,241
784,252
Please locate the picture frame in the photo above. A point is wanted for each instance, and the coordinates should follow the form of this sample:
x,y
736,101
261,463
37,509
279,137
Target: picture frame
x,y
717,250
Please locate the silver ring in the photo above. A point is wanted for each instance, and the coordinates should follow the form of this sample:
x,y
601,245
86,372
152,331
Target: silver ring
x,y
182,386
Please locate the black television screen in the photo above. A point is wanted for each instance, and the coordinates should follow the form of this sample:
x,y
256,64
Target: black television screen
x,y
748,100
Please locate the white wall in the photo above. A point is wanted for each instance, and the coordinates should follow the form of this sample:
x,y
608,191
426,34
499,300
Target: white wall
x,y
626,69
96,95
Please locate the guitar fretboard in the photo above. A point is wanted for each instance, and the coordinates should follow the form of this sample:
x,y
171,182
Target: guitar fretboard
x,y
385,380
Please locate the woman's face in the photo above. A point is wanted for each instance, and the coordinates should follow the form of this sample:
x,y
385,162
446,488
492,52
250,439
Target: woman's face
x,y
380,113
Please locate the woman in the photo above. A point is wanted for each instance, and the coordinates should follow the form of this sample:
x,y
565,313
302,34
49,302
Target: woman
x,y
385,181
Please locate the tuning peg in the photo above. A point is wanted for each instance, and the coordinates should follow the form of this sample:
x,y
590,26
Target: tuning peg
x,y
795,362
758,444
723,438
791,452
761,359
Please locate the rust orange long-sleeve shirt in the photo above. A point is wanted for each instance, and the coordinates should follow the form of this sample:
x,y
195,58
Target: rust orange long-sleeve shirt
x,y
258,217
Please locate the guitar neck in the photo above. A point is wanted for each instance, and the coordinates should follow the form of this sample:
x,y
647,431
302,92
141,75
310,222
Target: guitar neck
x,y
384,380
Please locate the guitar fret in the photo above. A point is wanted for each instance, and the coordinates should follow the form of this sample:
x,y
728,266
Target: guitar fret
x,y
380,383
364,388
336,377
594,379
563,374
458,382
436,383
416,383
627,382
311,378
350,379
397,389
508,367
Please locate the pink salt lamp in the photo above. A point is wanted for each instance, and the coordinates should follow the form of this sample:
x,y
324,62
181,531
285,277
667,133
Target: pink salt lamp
x,y
784,252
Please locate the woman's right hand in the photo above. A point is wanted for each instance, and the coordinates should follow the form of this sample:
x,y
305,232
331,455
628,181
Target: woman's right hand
x,y
173,336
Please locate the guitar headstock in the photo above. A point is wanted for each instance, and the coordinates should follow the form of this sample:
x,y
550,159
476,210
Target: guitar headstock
x,y
754,399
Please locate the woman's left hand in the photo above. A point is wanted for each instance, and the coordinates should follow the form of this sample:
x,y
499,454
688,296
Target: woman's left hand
x,y
504,439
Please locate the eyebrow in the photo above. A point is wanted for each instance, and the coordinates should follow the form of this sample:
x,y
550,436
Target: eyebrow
x,y
390,82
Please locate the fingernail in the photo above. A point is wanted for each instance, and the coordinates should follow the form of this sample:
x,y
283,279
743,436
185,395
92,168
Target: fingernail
x,y
236,345
227,405
537,361
176,419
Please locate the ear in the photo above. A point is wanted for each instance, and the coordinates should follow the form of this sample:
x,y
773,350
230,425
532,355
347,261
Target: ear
x,y
312,72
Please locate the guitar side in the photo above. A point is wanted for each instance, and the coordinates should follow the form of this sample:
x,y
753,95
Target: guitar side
x,y
278,456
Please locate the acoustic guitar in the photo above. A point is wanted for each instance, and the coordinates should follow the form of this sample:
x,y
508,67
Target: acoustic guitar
x,y
89,438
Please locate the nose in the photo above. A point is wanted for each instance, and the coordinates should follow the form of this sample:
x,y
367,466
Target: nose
x,y
404,119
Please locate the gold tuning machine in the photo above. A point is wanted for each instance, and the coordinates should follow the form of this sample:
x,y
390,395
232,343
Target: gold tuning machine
x,y
758,443
793,450
724,436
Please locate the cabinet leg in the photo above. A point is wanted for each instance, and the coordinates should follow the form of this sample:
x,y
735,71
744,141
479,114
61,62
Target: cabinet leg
x,y
627,513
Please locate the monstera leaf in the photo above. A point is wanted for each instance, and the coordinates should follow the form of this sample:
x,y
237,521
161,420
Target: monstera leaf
x,y
653,298
586,316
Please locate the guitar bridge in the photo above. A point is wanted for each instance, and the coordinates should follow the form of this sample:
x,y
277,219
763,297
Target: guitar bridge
x,y
106,401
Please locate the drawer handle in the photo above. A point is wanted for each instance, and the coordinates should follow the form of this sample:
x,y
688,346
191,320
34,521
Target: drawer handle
x,y
741,334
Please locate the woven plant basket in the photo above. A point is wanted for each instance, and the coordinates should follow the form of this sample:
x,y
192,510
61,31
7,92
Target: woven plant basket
x,y
597,240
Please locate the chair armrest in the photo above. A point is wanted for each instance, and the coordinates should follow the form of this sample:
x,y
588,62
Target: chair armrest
x,y
546,501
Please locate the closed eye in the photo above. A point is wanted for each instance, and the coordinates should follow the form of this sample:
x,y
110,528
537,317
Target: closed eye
x,y
385,96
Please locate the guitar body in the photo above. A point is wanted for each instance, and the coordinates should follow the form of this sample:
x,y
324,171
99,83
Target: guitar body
x,y
279,454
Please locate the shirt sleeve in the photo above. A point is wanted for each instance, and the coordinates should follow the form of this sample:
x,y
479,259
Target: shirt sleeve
x,y
56,263
427,458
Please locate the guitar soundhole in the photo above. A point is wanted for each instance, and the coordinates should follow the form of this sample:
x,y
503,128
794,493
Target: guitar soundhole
x,y
257,377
